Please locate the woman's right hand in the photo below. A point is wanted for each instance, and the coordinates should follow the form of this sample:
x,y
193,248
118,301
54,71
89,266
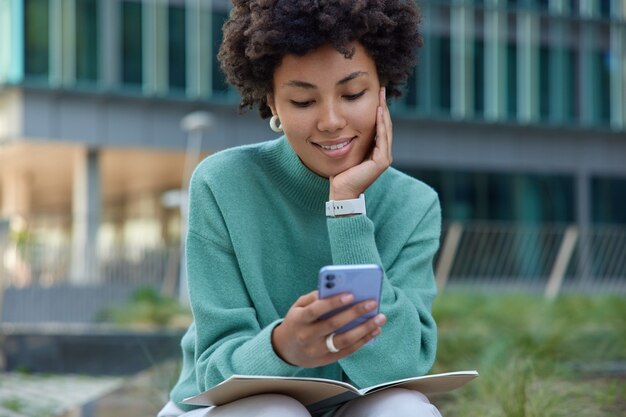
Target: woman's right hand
x,y
301,338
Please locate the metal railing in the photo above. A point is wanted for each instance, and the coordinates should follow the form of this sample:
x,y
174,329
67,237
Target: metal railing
x,y
37,283
546,259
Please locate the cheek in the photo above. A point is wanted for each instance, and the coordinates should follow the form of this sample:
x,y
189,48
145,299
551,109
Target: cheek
x,y
295,126
365,117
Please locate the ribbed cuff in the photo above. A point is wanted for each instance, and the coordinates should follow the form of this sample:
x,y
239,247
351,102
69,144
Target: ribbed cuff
x,y
352,240
260,356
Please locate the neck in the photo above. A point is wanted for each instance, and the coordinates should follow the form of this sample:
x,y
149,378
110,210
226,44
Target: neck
x,y
294,178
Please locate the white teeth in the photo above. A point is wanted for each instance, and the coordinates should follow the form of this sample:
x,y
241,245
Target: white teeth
x,y
337,146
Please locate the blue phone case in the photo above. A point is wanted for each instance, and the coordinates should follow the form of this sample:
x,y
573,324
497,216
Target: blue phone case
x,y
363,281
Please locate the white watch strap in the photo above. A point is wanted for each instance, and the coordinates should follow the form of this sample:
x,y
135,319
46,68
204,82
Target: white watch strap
x,y
344,207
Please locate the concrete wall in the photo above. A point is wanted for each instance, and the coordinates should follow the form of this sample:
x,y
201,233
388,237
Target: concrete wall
x,y
11,112
89,351
117,121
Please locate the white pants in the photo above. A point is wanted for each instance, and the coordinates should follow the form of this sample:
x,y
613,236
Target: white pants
x,y
393,402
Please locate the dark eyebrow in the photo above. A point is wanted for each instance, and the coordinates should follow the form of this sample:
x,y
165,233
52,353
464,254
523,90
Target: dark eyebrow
x,y
301,84
351,77
309,86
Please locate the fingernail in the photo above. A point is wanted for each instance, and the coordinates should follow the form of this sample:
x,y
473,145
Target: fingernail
x,y
370,305
376,332
380,319
346,298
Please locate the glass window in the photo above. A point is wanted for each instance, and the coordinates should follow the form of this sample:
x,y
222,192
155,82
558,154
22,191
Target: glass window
x,y
506,197
218,17
132,40
543,4
479,77
558,74
5,44
464,196
605,8
87,40
177,48
553,197
445,77
460,192
544,83
511,80
575,7
608,202
571,93
36,37
501,198
603,69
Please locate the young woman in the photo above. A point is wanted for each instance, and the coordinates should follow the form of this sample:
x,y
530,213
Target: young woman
x,y
259,230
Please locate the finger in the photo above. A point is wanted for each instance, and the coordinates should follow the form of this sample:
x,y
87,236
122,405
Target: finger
x,y
322,306
337,321
347,351
306,299
380,114
352,336
381,136
388,123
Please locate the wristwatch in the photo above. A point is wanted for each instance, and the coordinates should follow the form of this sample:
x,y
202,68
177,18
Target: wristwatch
x,y
336,208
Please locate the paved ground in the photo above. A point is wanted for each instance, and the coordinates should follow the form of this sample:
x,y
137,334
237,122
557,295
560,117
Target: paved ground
x,y
38,395
143,395
24,395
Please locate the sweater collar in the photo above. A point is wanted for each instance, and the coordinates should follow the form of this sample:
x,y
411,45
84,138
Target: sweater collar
x,y
294,178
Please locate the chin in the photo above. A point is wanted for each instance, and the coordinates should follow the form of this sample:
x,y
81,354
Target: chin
x,y
338,169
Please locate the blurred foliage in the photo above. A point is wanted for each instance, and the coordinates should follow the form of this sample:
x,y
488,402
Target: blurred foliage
x,y
537,358
12,404
147,308
22,238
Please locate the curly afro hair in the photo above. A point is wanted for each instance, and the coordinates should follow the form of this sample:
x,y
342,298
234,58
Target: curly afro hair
x,y
259,33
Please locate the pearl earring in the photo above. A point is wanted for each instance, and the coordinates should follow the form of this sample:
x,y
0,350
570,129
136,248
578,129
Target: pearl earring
x,y
275,124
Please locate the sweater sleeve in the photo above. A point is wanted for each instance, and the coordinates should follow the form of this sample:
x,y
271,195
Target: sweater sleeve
x,y
229,339
408,342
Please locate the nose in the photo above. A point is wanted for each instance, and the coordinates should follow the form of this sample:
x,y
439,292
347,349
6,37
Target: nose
x,y
330,118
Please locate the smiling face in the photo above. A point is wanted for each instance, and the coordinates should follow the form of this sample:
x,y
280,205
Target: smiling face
x,y
327,105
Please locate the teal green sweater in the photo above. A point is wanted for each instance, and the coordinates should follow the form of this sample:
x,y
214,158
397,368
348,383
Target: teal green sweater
x,y
258,236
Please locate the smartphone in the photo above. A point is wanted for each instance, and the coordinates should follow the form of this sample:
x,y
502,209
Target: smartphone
x,y
363,281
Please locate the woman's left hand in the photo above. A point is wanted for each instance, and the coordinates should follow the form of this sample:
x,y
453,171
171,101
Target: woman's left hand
x,y
354,181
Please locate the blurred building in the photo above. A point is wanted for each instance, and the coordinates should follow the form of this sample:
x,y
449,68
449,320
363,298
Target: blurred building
x,y
516,111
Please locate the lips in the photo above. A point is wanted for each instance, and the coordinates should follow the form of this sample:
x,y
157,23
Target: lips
x,y
335,149
335,146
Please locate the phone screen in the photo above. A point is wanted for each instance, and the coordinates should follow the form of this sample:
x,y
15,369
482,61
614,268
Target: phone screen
x,y
363,281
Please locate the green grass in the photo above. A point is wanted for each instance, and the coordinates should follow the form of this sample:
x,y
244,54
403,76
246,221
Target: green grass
x,y
12,404
147,308
535,357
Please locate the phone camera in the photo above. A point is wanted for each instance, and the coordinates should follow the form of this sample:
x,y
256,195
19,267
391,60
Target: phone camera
x,y
330,285
330,277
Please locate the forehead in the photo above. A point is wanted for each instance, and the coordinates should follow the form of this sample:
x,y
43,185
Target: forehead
x,y
324,65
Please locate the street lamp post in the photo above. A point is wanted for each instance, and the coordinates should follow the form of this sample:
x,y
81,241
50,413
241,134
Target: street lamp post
x,y
195,125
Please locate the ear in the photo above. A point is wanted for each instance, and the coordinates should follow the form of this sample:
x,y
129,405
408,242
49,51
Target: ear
x,y
270,102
